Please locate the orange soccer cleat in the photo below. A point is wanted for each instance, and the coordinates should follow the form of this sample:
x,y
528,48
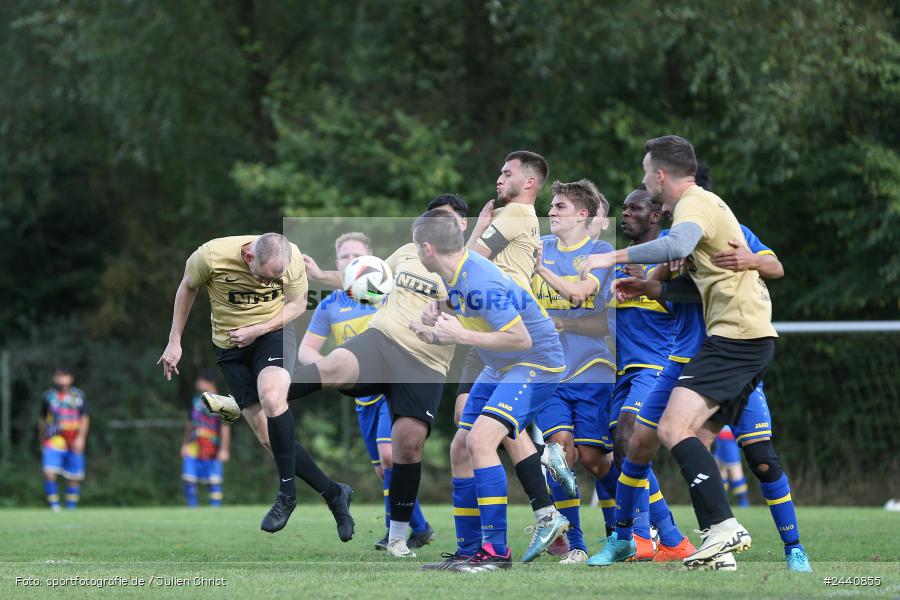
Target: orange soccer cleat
x,y
646,549
674,553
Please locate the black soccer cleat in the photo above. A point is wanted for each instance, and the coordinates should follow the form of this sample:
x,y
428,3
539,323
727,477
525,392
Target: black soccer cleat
x,y
447,564
418,540
382,543
278,515
340,508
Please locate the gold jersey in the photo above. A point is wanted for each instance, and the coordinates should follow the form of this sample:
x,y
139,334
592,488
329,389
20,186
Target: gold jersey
x,y
519,226
414,288
736,304
235,297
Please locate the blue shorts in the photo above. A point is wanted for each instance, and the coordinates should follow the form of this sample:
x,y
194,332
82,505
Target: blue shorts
x,y
755,422
64,462
727,452
374,416
201,470
580,405
654,404
632,387
513,397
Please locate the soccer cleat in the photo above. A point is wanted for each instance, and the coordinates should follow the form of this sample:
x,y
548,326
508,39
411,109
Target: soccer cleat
x,y
559,469
224,406
723,562
672,553
382,543
560,547
423,538
340,508
574,557
484,560
727,536
545,532
798,561
447,563
398,549
278,515
646,549
615,550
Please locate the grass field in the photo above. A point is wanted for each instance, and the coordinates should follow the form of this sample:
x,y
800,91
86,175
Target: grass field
x,y
306,560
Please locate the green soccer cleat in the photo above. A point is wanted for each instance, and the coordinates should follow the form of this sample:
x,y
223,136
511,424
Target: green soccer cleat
x,y
615,550
545,533
226,407
559,469
798,561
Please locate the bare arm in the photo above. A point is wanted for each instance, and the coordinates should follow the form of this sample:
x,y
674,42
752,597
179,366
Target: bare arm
x,y
576,292
184,300
80,440
310,349
225,446
591,326
333,279
484,221
740,258
449,330
185,439
293,308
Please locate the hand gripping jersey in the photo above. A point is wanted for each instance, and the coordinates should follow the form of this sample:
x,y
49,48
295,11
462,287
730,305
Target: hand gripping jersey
x,y
581,352
643,331
62,412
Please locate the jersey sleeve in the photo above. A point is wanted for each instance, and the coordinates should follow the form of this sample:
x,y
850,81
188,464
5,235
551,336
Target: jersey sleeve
x,y
296,284
320,324
694,210
602,277
199,266
754,243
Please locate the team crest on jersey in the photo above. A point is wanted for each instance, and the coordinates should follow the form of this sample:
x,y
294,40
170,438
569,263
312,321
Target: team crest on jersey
x,y
578,261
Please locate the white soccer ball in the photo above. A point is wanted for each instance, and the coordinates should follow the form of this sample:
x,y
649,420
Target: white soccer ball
x,y
368,279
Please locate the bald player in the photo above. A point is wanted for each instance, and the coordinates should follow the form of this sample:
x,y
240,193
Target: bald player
x,y
257,286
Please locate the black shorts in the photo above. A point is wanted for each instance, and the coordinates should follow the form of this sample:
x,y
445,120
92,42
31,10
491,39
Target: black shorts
x,y
471,370
726,371
241,366
412,389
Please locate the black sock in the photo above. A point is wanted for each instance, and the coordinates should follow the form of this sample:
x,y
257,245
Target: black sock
x,y
404,489
540,449
699,469
308,380
281,439
533,482
305,466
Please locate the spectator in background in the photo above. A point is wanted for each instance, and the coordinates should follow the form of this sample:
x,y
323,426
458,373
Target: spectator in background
x,y
206,445
62,428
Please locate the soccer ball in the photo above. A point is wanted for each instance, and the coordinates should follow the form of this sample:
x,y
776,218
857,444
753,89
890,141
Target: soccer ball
x,y
368,279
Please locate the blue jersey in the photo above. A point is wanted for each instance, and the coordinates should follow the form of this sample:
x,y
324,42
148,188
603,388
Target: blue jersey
x,y
643,330
486,299
581,351
690,328
342,317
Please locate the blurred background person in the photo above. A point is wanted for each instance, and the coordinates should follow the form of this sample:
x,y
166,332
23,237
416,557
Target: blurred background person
x,y
206,446
62,428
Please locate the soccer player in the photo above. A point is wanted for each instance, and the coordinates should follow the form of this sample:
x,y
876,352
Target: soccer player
x,y
342,317
715,386
62,428
523,364
574,419
388,358
728,457
257,287
206,445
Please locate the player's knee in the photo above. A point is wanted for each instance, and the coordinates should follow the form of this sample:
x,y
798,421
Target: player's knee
x,y
763,461
459,449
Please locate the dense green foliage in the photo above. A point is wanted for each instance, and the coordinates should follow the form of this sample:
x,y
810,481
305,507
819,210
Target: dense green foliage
x,y
130,132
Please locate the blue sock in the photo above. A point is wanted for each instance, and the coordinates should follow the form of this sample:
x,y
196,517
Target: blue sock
x,y
190,493
570,509
781,505
491,488
387,497
466,516
418,521
72,496
607,505
739,489
51,492
632,484
215,494
661,516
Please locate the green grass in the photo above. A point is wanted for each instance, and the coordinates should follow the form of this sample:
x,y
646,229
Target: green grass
x,y
306,560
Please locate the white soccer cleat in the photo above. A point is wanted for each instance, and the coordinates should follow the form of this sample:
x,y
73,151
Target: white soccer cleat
x,y
574,557
723,562
398,549
226,407
722,538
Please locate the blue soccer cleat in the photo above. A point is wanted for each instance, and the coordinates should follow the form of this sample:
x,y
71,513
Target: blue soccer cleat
x,y
559,470
798,561
545,533
614,551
